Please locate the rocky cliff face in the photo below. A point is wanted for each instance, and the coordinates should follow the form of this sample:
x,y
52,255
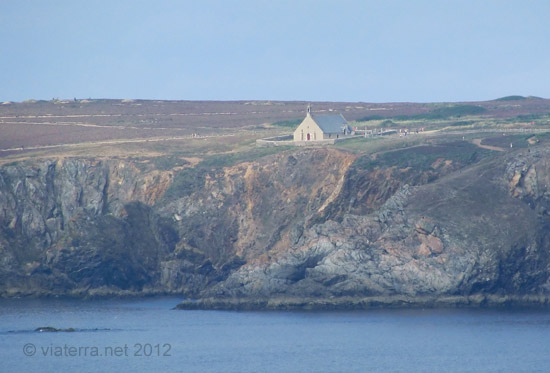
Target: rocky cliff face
x,y
74,225
483,230
307,223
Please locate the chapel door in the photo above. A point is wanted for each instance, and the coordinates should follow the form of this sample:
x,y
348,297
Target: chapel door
x,y
308,137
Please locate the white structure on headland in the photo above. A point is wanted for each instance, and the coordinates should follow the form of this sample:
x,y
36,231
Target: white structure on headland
x,y
317,127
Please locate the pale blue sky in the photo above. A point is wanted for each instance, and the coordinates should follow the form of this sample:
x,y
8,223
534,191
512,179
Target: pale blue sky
x,y
373,51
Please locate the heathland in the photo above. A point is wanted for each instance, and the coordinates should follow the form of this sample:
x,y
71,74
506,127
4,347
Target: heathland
x,y
114,197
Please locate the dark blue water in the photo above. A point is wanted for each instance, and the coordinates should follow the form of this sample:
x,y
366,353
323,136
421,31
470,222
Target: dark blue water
x,y
146,335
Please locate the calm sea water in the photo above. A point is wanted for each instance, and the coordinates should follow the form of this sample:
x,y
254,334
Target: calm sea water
x,y
146,335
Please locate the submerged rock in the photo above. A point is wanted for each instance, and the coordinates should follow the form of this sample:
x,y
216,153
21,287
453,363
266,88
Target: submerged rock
x,y
52,329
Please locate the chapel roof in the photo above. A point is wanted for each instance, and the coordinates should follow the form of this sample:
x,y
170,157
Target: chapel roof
x,y
330,123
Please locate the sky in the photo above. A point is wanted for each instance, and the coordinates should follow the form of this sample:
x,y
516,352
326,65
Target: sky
x,y
342,50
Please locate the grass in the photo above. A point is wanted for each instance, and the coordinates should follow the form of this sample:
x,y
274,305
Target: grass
x,y
518,141
532,117
446,112
511,98
191,179
292,123
422,157
370,118
358,143
230,159
438,118
462,123
168,162
376,144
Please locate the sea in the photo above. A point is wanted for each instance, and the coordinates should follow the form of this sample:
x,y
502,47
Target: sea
x,y
148,335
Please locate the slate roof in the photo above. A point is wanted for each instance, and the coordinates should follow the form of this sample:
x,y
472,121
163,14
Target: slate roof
x,y
330,123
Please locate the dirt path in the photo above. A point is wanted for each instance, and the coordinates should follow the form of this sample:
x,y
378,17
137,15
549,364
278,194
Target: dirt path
x,y
489,147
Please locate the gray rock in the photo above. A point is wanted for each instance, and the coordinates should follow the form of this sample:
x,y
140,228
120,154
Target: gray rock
x,y
288,226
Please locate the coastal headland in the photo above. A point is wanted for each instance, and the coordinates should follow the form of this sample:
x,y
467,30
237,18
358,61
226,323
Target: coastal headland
x,y
136,197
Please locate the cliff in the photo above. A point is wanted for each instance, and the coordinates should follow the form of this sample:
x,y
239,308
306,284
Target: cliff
x,y
315,228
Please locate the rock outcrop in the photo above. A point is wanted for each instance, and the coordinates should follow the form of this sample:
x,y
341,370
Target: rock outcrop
x,y
77,225
317,224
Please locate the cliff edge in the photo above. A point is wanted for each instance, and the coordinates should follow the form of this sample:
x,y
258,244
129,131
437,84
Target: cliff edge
x,y
309,228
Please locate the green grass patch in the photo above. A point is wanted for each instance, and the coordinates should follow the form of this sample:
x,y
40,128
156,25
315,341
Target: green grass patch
x,y
532,117
422,157
462,123
511,98
291,123
387,123
357,143
446,112
370,145
193,179
517,141
168,162
371,117
230,159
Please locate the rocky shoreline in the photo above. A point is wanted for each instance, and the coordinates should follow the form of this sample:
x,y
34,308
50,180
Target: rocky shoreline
x,y
366,303
89,294
318,229
311,303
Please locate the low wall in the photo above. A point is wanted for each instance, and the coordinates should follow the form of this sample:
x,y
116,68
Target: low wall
x,y
280,138
264,142
286,140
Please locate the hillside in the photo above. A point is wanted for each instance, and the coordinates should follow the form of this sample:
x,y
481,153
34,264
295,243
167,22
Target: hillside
x,y
442,221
